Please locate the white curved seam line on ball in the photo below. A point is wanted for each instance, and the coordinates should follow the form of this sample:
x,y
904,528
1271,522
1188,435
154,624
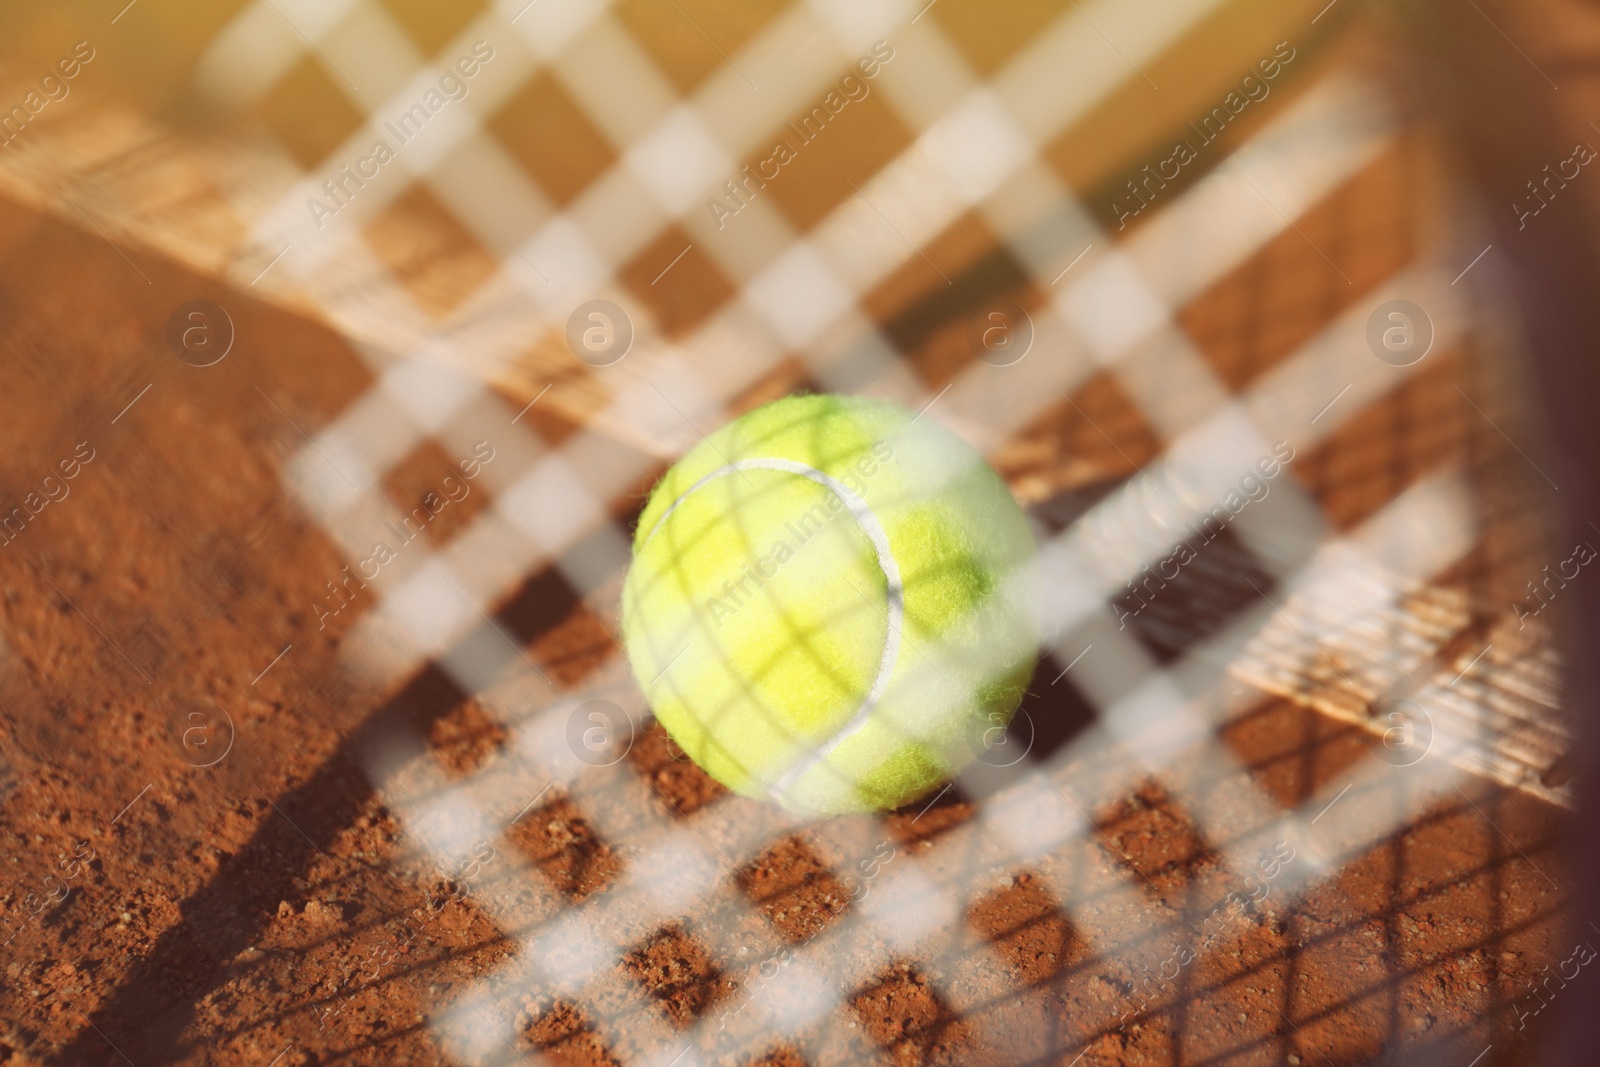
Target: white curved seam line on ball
x,y
894,595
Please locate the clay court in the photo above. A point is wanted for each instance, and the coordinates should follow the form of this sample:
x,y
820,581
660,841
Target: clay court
x,y
270,797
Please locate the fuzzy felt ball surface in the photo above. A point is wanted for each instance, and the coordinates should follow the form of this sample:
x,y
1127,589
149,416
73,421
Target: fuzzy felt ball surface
x,y
825,606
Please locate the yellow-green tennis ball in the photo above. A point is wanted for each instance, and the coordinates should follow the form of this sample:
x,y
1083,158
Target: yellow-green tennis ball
x,y
821,608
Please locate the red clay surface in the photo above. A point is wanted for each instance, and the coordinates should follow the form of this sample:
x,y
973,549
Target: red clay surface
x,y
265,905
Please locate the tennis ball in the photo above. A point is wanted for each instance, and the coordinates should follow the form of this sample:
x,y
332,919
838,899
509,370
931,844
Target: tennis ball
x,y
820,609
